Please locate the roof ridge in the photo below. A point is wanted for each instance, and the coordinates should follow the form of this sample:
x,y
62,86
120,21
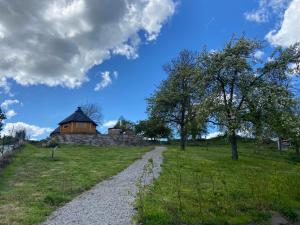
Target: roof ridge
x,y
78,116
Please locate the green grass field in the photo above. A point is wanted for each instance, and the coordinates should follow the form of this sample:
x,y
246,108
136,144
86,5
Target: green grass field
x,y
202,185
33,185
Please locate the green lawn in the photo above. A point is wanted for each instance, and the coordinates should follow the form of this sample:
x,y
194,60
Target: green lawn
x,y
202,185
33,185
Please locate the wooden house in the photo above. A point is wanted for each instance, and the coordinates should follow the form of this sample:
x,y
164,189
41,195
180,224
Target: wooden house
x,y
76,123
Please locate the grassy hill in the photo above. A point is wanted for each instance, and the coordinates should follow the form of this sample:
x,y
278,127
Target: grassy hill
x,y
202,185
33,185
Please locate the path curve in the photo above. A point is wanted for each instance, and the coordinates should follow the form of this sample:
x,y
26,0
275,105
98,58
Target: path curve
x,y
111,201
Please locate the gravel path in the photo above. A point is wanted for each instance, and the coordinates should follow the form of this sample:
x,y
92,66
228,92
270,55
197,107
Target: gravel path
x,y
109,202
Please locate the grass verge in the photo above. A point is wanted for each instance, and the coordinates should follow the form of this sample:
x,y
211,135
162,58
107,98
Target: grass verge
x,y
202,185
33,185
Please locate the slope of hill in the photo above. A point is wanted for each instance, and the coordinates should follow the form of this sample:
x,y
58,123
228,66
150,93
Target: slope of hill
x,y
202,185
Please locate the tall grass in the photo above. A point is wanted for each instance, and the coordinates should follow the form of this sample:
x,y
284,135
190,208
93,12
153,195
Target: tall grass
x,y
202,185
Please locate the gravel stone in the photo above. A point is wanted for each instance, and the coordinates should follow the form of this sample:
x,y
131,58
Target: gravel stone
x,y
111,201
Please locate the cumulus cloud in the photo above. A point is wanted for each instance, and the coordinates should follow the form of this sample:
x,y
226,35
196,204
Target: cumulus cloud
x,y
33,131
8,102
259,54
56,42
10,113
106,80
109,123
6,105
244,133
289,31
214,134
5,85
267,9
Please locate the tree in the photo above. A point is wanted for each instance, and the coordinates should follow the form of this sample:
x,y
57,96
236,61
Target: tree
x,y
153,129
197,128
20,135
233,76
126,126
2,118
92,110
295,126
173,102
268,109
287,124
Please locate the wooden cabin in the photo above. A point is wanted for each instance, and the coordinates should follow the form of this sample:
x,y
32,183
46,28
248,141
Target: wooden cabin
x,y
76,123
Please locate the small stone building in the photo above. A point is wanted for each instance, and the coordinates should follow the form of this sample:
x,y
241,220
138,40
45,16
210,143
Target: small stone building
x,y
114,131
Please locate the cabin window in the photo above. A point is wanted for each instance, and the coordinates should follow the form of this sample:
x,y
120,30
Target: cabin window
x,y
80,125
66,126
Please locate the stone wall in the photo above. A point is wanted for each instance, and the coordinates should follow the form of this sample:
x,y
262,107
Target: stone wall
x,y
98,139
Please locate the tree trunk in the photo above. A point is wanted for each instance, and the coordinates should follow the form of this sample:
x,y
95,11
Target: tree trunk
x,y
297,149
233,143
280,144
182,137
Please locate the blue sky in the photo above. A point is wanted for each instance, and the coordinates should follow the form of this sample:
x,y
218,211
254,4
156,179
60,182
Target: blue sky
x,y
40,99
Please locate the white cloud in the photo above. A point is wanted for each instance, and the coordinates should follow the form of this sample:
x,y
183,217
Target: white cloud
x,y
245,134
33,131
5,85
259,16
267,9
5,105
106,80
56,42
289,31
10,113
214,134
259,54
109,123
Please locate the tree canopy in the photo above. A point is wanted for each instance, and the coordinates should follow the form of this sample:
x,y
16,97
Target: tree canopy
x,y
153,129
230,88
126,126
93,110
173,102
2,118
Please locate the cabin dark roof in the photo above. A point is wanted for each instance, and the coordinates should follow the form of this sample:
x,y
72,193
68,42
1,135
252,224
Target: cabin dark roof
x,y
56,131
78,116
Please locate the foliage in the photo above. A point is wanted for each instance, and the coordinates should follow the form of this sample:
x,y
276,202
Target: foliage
x,y
210,193
230,88
52,144
2,117
234,78
13,138
32,186
174,101
20,135
197,127
93,111
288,124
126,126
153,129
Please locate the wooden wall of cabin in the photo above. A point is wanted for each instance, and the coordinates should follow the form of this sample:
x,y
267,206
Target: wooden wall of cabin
x,y
78,128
